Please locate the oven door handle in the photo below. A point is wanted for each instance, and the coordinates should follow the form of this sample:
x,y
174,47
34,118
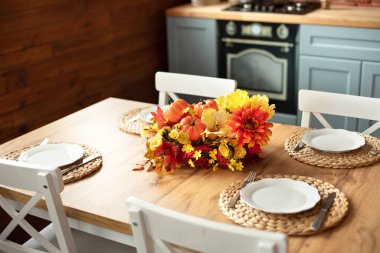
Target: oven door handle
x,y
258,42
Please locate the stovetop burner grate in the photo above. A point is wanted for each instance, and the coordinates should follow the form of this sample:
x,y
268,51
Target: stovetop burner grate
x,y
272,6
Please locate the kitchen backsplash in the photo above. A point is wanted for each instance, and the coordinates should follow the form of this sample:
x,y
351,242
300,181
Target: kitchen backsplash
x,y
369,3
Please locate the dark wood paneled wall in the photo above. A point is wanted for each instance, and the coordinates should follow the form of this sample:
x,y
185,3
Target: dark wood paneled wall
x,y
58,56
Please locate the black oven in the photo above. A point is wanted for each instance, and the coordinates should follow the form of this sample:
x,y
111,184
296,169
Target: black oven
x,y
261,57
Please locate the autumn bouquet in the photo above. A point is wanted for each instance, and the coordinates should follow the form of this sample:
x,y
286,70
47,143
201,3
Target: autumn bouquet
x,y
226,132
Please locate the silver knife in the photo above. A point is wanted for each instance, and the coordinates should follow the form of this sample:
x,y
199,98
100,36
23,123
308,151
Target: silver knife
x,y
326,204
85,160
299,146
134,118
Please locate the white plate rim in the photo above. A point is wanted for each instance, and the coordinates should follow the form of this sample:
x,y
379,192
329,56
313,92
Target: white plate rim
x,y
143,114
312,194
75,149
308,137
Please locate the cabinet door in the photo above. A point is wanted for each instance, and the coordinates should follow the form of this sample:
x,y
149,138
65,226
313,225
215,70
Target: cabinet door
x,y
340,42
192,46
331,75
370,87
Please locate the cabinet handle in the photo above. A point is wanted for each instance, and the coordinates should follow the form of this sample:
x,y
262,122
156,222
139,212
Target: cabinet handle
x,y
258,42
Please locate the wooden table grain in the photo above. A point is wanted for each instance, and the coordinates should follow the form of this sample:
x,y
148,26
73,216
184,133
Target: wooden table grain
x,y
100,198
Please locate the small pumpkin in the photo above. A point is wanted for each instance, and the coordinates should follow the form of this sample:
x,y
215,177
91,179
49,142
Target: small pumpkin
x,y
200,107
176,110
193,127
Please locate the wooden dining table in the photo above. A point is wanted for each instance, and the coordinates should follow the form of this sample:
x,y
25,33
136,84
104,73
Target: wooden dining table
x,y
97,203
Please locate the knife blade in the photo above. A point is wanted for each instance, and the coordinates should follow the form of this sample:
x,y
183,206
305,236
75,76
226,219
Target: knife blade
x,y
326,204
134,118
299,146
85,160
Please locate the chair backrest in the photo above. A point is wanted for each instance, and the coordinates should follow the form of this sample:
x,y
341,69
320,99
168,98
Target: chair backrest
x,y
46,183
318,102
159,230
168,84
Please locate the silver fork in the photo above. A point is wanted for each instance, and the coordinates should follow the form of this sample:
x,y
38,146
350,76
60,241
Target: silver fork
x,y
250,178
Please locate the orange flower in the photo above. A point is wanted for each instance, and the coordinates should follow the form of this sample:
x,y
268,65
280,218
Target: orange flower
x,y
160,118
248,123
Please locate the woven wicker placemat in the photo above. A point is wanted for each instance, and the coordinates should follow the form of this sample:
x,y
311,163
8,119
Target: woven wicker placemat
x,y
353,159
75,174
291,224
129,121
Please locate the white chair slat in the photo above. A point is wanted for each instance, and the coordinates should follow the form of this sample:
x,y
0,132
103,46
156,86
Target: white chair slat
x,y
57,237
372,128
322,120
173,83
17,217
319,102
155,227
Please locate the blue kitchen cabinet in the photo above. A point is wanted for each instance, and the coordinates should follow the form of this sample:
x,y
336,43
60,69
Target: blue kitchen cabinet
x,y
341,60
331,75
370,87
192,46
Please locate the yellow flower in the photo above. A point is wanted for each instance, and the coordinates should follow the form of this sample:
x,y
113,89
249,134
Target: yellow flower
x,y
212,154
233,100
148,130
197,154
263,101
234,165
231,164
183,138
155,141
187,148
174,133
215,167
224,150
215,122
144,131
239,166
240,152
191,163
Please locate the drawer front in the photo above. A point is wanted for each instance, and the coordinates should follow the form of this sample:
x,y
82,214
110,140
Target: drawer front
x,y
340,42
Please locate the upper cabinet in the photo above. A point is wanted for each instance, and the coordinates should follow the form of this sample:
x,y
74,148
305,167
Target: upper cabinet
x,y
342,60
192,46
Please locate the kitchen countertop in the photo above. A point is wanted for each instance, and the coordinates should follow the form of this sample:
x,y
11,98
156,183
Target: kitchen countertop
x,y
351,16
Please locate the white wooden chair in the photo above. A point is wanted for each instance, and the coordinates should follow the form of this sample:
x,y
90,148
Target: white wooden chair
x,y
58,237
168,84
318,102
159,230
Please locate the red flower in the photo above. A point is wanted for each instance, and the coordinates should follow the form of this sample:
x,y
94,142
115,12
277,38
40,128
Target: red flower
x,y
223,162
248,123
171,153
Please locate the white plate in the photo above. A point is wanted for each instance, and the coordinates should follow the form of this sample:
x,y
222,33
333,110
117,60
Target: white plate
x,y
333,140
146,113
280,195
55,155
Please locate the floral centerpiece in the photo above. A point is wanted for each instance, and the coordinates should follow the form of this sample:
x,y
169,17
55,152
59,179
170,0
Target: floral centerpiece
x,y
226,132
